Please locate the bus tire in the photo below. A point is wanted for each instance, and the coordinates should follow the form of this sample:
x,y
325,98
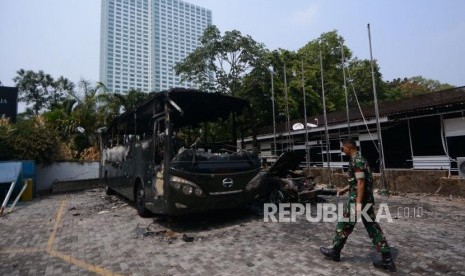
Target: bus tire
x,y
108,191
276,194
140,200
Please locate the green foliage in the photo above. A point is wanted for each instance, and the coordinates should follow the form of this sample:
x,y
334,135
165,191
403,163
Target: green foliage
x,y
303,71
257,91
221,62
41,90
32,139
360,80
81,142
231,63
408,87
66,112
7,151
130,100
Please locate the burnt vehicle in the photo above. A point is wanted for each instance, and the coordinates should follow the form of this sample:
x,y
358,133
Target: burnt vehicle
x,y
284,183
162,156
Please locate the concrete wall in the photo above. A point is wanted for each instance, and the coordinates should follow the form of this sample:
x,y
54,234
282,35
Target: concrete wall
x,y
414,181
78,175
46,176
402,181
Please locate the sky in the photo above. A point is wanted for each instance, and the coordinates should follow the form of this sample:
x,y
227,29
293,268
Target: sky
x,y
409,38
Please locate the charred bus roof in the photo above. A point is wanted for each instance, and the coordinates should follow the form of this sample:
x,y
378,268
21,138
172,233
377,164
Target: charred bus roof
x,y
190,106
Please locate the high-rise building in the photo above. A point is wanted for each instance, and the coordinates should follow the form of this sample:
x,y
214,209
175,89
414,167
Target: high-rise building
x,y
141,41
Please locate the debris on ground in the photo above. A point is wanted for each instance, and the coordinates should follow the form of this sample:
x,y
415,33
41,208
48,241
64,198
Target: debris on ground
x,y
187,238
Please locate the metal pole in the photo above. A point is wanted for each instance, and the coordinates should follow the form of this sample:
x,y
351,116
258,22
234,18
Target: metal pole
x,y
287,107
274,119
345,88
410,138
18,197
305,119
5,202
330,184
378,126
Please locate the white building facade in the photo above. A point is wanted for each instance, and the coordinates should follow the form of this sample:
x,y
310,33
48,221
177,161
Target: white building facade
x,y
141,41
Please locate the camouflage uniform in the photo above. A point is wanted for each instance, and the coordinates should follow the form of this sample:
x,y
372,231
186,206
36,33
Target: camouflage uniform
x,y
358,165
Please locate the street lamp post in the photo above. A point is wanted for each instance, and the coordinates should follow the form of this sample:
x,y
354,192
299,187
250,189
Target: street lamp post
x,y
382,168
345,88
273,110
287,108
305,119
328,147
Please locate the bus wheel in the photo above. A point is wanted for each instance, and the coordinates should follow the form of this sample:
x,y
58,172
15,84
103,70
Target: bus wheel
x,y
277,195
108,190
140,201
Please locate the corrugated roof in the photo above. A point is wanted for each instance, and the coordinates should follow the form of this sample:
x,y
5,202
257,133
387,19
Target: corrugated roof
x,y
433,102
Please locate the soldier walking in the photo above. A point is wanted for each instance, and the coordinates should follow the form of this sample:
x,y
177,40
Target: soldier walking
x,y
360,190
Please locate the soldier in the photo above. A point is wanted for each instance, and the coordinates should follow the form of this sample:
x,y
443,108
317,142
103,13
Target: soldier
x,y
360,190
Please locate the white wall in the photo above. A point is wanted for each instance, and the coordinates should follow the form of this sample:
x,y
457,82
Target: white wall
x,y
454,127
65,171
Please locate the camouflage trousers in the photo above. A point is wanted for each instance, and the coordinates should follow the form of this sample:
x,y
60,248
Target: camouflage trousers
x,y
344,229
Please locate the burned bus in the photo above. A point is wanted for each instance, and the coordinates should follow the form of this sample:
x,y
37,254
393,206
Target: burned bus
x,y
163,156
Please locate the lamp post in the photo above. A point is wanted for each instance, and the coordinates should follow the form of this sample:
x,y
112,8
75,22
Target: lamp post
x,y
288,124
330,184
345,88
384,191
305,119
273,110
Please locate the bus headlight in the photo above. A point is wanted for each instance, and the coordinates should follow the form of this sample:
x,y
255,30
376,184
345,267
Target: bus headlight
x,y
185,186
187,189
177,185
198,192
255,182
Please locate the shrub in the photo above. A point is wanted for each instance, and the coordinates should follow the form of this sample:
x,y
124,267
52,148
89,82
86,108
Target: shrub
x,y
34,139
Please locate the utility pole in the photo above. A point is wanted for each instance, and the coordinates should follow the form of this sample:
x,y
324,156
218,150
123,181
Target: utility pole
x,y
287,108
330,184
272,105
305,119
384,191
345,87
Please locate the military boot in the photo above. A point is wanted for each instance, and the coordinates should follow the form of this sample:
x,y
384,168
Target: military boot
x,y
386,262
331,253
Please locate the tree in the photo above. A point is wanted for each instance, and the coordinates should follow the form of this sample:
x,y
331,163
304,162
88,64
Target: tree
x,y
33,88
257,84
360,81
32,139
59,95
308,57
221,62
7,151
408,87
41,90
87,116
131,99
256,89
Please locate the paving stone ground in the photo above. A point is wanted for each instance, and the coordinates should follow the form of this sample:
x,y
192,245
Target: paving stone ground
x,y
89,233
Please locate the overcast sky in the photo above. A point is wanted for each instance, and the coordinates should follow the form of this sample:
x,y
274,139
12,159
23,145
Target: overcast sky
x,y
409,38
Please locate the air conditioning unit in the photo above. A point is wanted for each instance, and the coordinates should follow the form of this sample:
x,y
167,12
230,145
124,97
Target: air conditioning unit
x,y
461,166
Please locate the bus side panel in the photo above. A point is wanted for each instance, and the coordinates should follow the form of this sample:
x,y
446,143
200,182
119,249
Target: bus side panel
x,y
113,162
127,179
146,170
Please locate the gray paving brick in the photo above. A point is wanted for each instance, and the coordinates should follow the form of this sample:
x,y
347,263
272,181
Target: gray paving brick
x,y
236,242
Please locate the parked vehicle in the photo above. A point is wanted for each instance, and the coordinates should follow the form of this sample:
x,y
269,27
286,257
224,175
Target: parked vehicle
x,y
285,183
161,156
